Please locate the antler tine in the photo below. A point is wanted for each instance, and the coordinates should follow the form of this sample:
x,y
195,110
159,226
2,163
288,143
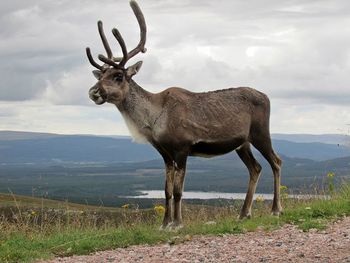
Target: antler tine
x,y
143,31
104,39
108,61
121,42
92,61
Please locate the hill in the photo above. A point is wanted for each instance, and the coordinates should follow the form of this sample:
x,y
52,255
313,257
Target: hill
x,y
44,148
101,170
23,147
311,150
23,202
340,139
106,184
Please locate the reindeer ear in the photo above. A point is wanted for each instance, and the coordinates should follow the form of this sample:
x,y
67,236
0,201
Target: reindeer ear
x,y
97,74
132,70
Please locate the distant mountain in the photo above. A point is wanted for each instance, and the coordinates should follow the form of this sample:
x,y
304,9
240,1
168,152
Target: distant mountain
x,y
311,150
340,139
24,147
19,135
98,169
43,148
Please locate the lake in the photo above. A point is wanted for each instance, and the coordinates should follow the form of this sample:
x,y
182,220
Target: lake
x,y
159,194
155,194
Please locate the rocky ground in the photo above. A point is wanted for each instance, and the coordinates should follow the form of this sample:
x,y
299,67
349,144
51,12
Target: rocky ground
x,y
287,244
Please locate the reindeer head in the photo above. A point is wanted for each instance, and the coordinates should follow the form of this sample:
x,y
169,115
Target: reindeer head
x,y
113,77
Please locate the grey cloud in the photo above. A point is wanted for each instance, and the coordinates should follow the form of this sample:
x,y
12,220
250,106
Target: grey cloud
x,y
297,48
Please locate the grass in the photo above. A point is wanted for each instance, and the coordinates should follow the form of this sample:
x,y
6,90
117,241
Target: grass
x,y
29,233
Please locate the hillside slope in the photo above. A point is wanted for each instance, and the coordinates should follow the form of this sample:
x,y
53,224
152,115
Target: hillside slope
x,y
20,147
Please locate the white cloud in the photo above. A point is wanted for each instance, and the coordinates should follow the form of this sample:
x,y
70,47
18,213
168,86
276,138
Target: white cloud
x,y
40,116
304,116
70,88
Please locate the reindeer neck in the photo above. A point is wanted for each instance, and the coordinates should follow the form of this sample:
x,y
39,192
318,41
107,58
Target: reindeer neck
x,y
139,112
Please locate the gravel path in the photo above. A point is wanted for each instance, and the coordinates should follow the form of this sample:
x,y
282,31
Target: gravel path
x,y
287,244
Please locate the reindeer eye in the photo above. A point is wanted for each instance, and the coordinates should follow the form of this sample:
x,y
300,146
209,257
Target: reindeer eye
x,y
118,78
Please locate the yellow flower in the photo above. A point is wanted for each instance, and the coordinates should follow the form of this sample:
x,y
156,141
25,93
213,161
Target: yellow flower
x,y
284,191
33,213
260,199
283,188
159,209
126,206
331,175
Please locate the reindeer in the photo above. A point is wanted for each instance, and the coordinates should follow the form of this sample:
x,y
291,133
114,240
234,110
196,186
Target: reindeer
x,y
179,123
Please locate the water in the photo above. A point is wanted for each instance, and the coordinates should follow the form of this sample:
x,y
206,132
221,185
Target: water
x,y
159,194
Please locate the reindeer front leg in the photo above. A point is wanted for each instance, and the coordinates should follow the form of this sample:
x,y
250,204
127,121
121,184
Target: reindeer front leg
x,y
169,187
179,178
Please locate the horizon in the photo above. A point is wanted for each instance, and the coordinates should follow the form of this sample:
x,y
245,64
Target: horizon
x,y
128,135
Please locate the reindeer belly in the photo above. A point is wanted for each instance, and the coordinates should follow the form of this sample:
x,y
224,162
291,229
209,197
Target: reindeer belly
x,y
211,149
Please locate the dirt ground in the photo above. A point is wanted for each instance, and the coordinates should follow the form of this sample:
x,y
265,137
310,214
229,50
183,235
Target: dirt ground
x,y
288,244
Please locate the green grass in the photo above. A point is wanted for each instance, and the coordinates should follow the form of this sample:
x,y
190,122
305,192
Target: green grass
x,y
25,237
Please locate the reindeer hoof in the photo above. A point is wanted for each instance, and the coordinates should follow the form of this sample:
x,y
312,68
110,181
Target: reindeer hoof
x,y
176,227
243,215
276,213
165,227
171,227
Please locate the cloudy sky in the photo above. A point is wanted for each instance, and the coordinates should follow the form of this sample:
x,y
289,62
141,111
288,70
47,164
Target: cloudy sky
x,y
295,51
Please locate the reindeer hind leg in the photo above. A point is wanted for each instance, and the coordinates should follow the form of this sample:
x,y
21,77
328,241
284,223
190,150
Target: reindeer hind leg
x,y
254,168
264,145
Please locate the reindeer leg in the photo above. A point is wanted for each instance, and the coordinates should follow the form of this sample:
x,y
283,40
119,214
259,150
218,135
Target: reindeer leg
x,y
276,168
254,168
180,172
265,147
169,187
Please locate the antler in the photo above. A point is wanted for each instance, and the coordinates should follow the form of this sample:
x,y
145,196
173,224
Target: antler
x,y
104,40
143,31
110,60
106,46
92,61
